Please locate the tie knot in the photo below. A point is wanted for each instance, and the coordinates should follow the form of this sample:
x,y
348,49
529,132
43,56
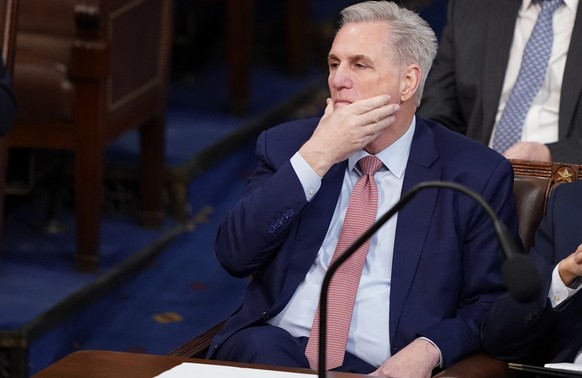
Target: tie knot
x,y
550,5
370,165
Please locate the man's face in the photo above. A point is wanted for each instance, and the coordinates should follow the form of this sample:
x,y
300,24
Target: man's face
x,y
359,64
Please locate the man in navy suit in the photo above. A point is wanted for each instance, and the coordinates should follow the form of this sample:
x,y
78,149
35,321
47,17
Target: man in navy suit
x,y
549,328
7,106
431,271
476,67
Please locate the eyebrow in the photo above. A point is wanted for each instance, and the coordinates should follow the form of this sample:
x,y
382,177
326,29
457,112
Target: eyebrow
x,y
351,57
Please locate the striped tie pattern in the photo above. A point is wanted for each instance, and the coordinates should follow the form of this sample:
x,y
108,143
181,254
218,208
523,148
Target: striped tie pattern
x,y
360,215
529,80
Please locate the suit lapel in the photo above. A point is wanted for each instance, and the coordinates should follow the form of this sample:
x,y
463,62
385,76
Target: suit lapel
x,y
499,29
413,220
572,81
313,227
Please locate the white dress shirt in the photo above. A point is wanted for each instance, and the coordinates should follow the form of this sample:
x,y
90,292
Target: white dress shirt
x,y
541,122
369,336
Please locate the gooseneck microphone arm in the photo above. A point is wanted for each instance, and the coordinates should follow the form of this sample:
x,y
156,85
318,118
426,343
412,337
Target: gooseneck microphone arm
x,y
524,285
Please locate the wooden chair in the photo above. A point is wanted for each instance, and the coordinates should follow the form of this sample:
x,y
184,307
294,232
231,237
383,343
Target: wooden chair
x,y
533,183
8,21
240,18
86,72
239,32
8,18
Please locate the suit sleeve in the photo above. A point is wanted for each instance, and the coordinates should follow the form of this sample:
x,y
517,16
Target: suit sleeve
x,y
512,329
569,149
253,230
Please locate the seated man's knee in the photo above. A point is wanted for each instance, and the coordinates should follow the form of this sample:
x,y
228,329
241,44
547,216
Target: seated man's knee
x,y
264,344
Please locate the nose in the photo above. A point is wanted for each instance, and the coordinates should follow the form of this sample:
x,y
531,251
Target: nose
x,y
339,78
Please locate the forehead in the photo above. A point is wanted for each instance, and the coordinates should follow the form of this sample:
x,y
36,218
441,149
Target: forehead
x,y
361,38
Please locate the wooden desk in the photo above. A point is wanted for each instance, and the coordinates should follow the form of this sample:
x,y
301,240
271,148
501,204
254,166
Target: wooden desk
x,y
105,364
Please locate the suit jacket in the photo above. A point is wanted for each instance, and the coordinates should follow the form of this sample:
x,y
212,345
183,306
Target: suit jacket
x,y
535,332
446,258
464,85
7,106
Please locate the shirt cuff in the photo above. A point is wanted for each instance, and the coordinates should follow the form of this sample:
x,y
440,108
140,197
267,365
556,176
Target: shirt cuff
x,y
440,364
310,180
559,292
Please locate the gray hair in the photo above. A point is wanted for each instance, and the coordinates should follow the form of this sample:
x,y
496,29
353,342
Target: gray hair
x,y
413,40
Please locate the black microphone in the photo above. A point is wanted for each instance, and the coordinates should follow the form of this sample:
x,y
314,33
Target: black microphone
x,y
520,275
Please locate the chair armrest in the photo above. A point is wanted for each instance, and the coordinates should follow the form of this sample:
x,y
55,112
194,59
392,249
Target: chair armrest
x,y
198,346
477,366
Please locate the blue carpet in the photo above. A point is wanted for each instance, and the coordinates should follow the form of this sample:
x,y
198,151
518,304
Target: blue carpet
x,y
178,295
36,267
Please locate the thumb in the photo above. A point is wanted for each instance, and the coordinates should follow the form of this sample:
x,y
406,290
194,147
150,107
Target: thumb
x,y
328,107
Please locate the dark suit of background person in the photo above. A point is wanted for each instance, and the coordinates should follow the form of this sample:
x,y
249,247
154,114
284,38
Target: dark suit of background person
x,y
7,105
535,332
446,260
465,83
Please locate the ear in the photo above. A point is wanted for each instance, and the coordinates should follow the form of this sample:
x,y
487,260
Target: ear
x,y
409,82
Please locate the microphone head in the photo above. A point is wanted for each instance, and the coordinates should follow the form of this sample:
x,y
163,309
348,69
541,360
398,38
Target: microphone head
x,y
521,278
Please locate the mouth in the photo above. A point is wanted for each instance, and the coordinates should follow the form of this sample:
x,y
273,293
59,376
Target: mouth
x,y
341,103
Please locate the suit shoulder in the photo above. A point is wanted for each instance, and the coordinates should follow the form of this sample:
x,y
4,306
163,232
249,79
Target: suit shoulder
x,y
459,153
570,190
283,140
297,127
462,144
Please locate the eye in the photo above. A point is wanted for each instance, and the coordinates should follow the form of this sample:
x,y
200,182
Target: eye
x,y
333,64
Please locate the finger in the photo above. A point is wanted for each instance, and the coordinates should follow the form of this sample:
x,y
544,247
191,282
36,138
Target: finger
x,y
368,104
381,114
373,128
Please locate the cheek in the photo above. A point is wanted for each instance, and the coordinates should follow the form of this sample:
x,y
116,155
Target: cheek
x,y
378,87
391,87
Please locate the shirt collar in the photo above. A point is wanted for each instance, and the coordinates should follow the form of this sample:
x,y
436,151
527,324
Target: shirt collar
x,y
571,4
394,157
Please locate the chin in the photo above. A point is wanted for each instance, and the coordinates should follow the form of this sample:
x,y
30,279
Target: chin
x,y
340,104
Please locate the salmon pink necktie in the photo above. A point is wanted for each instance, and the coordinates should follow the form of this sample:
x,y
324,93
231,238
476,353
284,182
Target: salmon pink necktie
x,y
360,215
